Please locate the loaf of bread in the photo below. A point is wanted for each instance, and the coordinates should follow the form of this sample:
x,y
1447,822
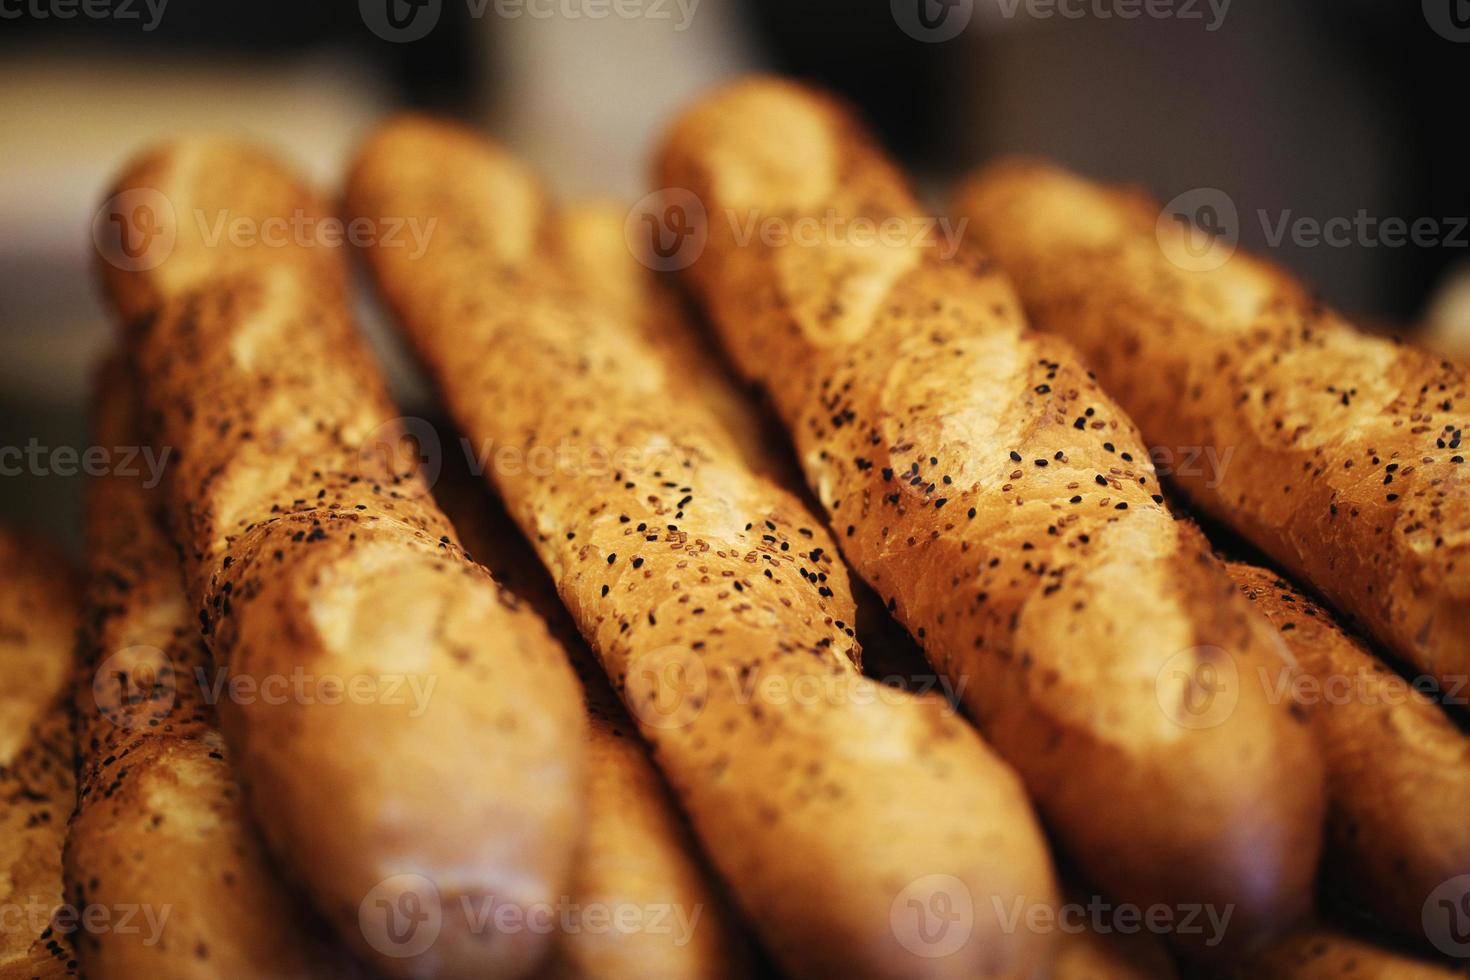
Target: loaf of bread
x,y
409,735
38,621
1336,453
161,826
637,859
863,831
1006,509
1398,770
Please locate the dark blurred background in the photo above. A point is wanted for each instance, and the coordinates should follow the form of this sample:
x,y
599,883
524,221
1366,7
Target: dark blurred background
x,y
1314,108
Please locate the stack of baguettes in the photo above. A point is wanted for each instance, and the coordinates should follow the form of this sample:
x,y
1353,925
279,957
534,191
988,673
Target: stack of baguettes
x,y
1148,699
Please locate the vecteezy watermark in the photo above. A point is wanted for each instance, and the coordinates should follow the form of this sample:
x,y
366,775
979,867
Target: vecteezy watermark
x,y
669,229
409,445
1364,687
137,687
1210,13
933,916
1192,463
138,229
1200,229
148,13
34,915
35,459
932,21
935,21
1450,19
409,690
404,915
1446,917
1198,687
1363,230
404,21
1104,917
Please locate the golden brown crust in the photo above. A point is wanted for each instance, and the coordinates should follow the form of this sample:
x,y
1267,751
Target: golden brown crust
x,y
1336,453
593,243
637,858
1326,953
716,604
1398,770
38,620
1006,509
161,825
409,736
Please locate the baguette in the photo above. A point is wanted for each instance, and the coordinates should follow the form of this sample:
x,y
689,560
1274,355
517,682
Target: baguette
x,y
1006,510
38,619
1398,770
838,812
433,825
637,854
160,824
1336,453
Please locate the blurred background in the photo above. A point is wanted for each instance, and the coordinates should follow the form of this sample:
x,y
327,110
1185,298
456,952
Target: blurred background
x,y
1314,109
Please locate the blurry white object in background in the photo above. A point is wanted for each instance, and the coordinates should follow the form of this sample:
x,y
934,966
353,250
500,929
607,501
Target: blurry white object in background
x,y
73,120
584,99
1447,324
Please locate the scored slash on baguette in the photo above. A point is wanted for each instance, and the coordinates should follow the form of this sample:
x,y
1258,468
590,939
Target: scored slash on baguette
x,y
449,792
979,479
38,621
839,818
1341,453
1398,770
161,823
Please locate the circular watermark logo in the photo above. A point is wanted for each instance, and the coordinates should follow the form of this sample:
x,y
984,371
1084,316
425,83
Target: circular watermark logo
x,y
135,687
932,21
400,21
667,230
402,915
1198,687
1450,19
1446,917
933,916
135,230
408,445
667,688
1199,230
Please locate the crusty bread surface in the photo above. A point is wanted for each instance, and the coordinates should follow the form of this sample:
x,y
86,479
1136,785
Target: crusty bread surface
x,y
637,858
38,621
1003,505
409,735
1398,769
839,812
161,825
1337,453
